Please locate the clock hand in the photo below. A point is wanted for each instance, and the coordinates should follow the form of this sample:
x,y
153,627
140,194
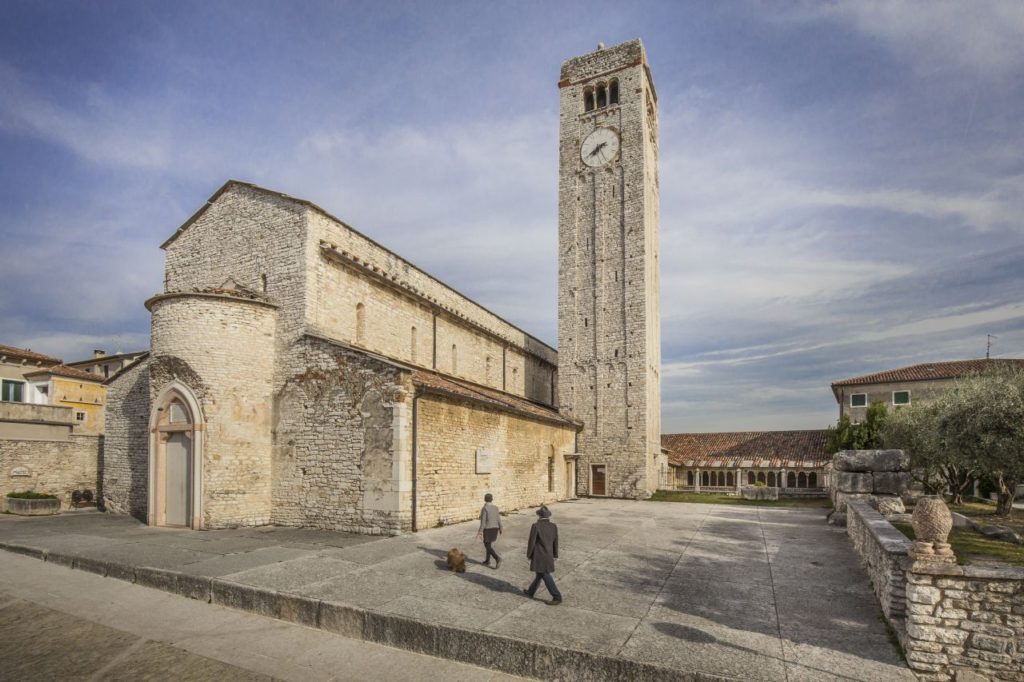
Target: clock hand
x,y
597,148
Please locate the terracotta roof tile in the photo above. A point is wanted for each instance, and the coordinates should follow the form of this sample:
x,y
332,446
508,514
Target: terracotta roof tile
x,y
69,372
954,369
747,449
498,399
27,354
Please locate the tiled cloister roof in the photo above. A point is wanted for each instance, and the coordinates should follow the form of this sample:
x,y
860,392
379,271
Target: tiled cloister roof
x,y
747,449
954,369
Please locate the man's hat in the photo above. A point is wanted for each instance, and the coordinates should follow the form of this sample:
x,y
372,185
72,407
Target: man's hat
x,y
544,512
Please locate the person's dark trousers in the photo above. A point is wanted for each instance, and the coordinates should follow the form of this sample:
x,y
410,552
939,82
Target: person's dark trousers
x,y
549,582
491,553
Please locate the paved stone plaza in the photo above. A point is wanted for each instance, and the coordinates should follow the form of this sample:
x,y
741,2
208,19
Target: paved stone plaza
x,y
735,592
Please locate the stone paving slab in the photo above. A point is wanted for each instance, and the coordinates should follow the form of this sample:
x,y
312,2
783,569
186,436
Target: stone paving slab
x,y
652,590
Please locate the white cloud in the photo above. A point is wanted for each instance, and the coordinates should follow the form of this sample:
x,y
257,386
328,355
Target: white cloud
x,y
981,37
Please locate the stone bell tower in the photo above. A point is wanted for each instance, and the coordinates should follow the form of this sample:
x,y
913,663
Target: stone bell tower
x,y
609,339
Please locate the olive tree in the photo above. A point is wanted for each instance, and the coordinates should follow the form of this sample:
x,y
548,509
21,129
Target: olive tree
x,y
983,422
916,430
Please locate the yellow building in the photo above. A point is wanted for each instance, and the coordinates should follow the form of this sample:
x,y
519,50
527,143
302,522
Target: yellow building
x,y
82,391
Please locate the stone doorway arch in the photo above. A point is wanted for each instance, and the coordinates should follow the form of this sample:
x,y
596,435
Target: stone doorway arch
x,y
176,430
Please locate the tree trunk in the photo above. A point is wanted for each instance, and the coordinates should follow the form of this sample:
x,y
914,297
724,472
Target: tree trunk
x,y
1005,497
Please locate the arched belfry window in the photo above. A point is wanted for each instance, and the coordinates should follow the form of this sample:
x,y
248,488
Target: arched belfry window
x,y
602,96
613,92
412,345
588,99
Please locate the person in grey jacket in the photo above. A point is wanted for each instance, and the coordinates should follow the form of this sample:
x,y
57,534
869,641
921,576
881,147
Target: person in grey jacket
x,y
490,529
542,550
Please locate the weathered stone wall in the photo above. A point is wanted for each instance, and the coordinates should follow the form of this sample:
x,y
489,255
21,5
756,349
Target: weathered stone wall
x,y
341,456
965,622
395,296
222,348
608,291
54,467
126,445
448,434
883,552
879,477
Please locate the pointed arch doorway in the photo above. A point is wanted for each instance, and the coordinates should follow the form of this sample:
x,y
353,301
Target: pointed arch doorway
x,y
175,459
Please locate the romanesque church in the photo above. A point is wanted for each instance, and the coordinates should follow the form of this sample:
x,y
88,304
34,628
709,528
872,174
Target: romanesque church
x,y
302,374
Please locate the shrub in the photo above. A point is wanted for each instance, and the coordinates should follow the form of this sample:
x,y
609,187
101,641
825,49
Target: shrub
x,y
760,484
32,495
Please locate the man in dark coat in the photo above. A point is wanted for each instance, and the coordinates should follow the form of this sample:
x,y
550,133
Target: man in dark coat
x,y
542,550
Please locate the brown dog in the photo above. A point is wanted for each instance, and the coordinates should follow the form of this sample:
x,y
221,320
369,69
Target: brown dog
x,y
456,560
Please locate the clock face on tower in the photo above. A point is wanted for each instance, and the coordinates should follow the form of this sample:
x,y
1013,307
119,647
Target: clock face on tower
x,y
600,147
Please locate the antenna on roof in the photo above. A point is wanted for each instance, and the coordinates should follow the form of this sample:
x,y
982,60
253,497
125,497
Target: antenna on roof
x,y
988,347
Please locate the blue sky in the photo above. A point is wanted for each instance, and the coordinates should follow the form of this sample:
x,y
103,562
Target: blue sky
x,y
842,184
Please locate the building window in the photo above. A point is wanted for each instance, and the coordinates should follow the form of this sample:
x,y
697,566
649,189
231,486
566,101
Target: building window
x,y
455,359
602,96
551,474
412,345
106,370
858,399
12,391
487,370
80,416
588,99
750,477
901,397
613,92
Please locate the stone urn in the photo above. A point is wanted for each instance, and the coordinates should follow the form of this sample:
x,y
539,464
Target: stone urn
x,y
932,522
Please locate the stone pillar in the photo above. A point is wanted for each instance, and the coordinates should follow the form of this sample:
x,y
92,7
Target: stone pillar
x,y
783,484
696,481
739,480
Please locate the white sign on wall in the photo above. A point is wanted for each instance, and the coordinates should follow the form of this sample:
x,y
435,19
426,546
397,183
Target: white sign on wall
x,y
21,471
484,460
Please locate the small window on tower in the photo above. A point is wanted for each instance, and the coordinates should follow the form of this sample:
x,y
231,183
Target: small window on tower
x,y
588,99
602,96
613,92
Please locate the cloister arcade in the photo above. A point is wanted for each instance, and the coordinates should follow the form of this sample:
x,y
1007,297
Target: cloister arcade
x,y
727,480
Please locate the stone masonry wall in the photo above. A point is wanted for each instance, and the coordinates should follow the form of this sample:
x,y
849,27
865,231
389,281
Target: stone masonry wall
x,y
883,552
54,467
396,297
965,622
222,348
608,291
448,434
341,444
126,446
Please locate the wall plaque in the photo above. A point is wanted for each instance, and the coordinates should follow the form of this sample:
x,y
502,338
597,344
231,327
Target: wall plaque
x,y
484,460
21,471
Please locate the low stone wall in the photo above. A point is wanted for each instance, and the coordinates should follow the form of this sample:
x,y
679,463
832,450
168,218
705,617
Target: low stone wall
x,y
56,467
883,551
965,622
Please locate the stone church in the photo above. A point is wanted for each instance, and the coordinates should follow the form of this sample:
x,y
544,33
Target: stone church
x,y
302,374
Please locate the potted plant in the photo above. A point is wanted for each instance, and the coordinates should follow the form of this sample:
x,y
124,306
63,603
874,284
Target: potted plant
x,y
31,503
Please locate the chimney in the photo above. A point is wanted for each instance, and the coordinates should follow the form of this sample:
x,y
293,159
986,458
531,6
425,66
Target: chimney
x,y
99,353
